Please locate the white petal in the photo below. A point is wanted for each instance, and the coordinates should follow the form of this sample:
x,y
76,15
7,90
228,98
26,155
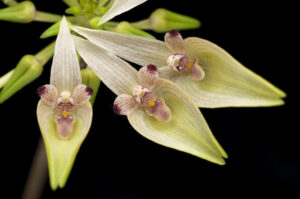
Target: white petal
x,y
115,73
65,71
119,7
139,50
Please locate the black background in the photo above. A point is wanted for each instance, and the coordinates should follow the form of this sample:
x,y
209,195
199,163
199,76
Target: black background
x,y
116,162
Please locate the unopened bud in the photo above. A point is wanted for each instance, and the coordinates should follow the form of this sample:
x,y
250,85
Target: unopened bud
x,y
94,23
126,28
27,70
23,12
162,20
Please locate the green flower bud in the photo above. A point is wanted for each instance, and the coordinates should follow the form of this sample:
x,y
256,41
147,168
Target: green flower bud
x,y
162,20
27,70
102,10
75,10
71,3
5,78
126,28
94,23
90,79
23,12
51,31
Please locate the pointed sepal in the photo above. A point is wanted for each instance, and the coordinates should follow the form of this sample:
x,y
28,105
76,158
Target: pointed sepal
x,y
185,131
62,151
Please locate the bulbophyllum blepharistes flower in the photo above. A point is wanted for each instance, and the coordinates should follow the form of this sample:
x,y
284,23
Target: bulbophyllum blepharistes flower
x,y
64,111
207,73
155,107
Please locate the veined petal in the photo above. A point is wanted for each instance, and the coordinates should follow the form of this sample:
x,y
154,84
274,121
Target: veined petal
x,y
65,71
139,50
227,83
119,7
187,130
115,73
61,153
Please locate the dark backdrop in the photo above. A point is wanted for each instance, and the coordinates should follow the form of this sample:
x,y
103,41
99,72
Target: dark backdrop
x,y
117,162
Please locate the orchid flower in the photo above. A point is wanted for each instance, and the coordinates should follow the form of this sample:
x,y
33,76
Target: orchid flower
x,y
64,111
210,76
155,107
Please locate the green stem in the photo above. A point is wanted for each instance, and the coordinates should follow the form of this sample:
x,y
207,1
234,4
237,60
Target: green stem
x,y
5,78
45,54
37,176
10,2
143,24
46,17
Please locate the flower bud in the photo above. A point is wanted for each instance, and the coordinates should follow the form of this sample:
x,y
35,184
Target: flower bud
x,y
126,28
5,78
90,79
27,70
94,23
162,20
51,31
23,12
75,10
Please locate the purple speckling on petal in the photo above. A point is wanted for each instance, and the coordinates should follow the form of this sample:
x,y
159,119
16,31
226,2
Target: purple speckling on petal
x,y
174,33
41,90
151,68
116,109
89,90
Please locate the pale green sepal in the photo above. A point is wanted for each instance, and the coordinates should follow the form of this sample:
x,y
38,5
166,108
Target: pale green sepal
x,y
90,79
5,78
187,131
126,28
27,70
23,12
10,2
61,153
163,20
227,83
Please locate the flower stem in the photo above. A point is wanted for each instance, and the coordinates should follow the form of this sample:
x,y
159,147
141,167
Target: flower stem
x,y
143,24
37,175
5,78
46,17
45,54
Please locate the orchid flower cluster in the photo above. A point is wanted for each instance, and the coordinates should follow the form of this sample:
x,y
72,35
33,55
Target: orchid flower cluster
x,y
161,100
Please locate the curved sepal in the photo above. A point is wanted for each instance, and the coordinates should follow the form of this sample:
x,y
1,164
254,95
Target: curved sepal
x,y
187,130
227,82
61,153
